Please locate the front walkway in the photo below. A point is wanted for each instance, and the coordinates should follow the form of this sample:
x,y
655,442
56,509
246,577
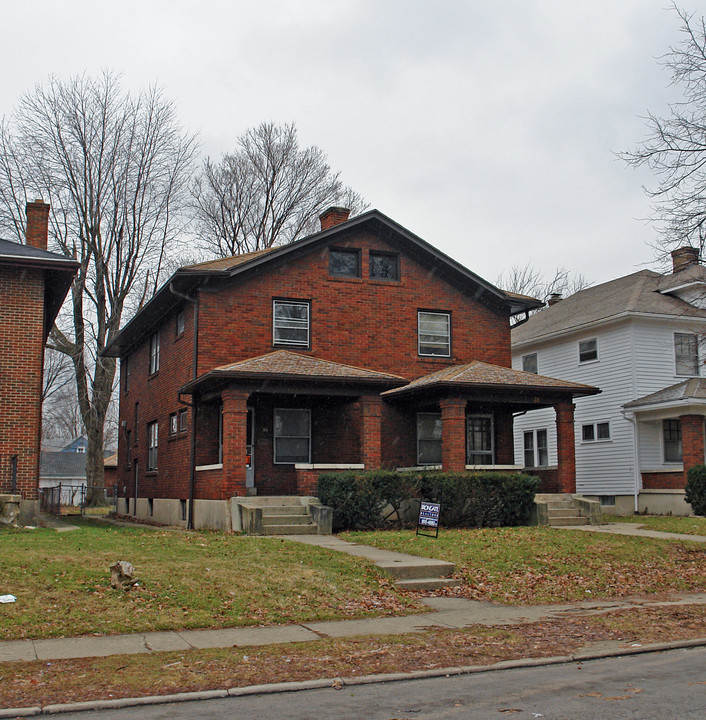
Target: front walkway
x,y
636,530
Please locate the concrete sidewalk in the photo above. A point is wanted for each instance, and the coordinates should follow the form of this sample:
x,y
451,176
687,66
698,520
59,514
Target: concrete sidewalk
x,y
636,530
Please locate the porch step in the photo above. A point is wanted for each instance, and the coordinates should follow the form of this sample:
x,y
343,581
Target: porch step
x,y
309,529
567,521
285,519
561,509
417,568
427,583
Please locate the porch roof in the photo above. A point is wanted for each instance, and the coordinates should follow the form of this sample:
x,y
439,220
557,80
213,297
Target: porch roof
x,y
687,396
478,375
287,366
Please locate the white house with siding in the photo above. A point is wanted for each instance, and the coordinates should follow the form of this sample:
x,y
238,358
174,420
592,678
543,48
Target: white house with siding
x,y
632,337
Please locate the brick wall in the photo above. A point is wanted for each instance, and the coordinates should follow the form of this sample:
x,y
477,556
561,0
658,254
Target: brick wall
x,y
663,481
21,360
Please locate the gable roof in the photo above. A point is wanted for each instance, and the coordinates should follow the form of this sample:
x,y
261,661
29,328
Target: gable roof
x,y
290,366
215,273
641,293
59,272
476,375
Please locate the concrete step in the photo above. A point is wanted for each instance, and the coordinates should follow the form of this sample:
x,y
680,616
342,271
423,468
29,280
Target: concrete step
x,y
572,520
417,568
290,529
560,504
285,519
283,510
427,583
562,512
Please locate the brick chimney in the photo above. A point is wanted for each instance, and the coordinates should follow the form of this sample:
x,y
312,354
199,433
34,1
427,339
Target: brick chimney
x,y
37,224
684,257
333,216
554,298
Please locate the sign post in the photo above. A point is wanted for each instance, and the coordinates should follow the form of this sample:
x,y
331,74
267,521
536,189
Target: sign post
x,y
428,518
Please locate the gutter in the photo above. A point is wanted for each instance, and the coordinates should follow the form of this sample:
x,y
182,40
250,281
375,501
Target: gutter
x,y
194,405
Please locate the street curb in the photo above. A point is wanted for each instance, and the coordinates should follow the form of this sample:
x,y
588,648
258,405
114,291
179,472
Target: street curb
x,y
338,682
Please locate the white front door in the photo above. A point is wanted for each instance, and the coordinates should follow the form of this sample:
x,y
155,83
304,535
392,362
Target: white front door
x,y
250,450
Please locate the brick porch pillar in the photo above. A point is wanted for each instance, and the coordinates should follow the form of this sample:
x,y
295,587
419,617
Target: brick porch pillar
x,y
371,431
566,447
692,441
235,421
453,434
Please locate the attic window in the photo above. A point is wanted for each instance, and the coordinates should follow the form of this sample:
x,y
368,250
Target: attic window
x,y
384,266
344,263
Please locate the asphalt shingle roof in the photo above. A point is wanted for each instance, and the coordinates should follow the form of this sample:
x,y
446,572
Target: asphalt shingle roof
x,y
692,389
62,465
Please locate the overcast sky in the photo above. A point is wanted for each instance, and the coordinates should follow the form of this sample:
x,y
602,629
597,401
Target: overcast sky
x,y
487,128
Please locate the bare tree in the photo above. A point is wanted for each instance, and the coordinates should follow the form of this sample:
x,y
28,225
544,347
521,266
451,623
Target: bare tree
x,y
527,280
675,146
268,192
115,169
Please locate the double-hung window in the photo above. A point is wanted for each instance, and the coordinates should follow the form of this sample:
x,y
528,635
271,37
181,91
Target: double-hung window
x,y
154,353
292,435
479,440
595,432
529,363
290,322
429,438
686,354
536,452
152,443
671,441
434,333
588,350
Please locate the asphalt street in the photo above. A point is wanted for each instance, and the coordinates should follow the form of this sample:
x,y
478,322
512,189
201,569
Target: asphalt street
x,y
667,685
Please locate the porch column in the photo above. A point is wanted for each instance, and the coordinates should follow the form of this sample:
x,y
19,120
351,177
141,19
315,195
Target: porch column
x,y
371,431
453,434
235,421
566,447
692,441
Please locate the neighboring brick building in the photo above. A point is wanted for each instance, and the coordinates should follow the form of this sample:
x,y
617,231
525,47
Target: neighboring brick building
x,y
33,285
358,346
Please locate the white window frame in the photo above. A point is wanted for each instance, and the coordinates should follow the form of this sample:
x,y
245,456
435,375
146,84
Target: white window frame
x,y
183,419
695,356
173,424
595,438
536,448
276,437
445,347
276,326
154,353
536,363
490,453
152,444
420,416
586,342
664,443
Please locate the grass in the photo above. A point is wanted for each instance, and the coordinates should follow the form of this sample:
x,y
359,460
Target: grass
x,y
664,523
533,565
187,580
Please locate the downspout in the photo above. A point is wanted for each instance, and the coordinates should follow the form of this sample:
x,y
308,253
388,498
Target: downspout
x,y
194,406
636,455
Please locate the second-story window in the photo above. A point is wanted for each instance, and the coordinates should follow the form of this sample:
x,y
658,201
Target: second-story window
x,y
152,444
529,363
344,263
588,350
686,354
434,333
180,323
154,353
290,322
126,376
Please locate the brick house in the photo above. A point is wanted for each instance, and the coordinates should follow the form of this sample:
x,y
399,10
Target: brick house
x,y
361,346
33,285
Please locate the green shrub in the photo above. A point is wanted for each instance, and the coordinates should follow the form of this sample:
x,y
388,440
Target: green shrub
x,y
696,489
367,500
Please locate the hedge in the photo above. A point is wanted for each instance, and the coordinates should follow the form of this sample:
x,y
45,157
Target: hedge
x,y
368,500
696,489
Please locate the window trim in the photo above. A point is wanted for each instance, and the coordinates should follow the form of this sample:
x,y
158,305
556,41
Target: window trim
x,y
183,414
439,313
275,437
595,438
419,438
536,448
173,424
536,363
152,445
154,353
491,452
380,253
291,343
181,315
349,251
697,372
679,442
592,359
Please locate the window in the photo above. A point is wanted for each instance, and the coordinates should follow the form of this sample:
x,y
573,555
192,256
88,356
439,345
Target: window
x,y
593,432
607,500
128,448
588,350
536,452
429,438
183,419
180,323
292,436
290,323
671,440
126,374
529,363
384,266
154,353
479,440
686,354
182,506
344,263
152,442
173,424
434,333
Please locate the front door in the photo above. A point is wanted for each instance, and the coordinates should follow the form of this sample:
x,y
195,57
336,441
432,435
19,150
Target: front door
x,y
250,450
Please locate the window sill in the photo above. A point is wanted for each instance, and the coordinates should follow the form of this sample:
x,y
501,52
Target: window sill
x,y
435,358
343,278
215,466
382,281
329,466
595,442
